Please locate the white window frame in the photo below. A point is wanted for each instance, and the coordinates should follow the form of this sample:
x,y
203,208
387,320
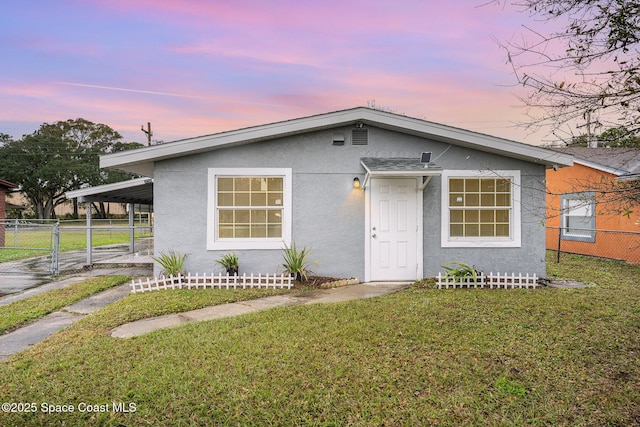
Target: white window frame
x,y
587,201
514,239
215,243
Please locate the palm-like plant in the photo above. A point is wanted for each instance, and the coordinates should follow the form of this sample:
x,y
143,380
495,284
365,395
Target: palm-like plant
x,y
296,262
460,270
172,263
229,262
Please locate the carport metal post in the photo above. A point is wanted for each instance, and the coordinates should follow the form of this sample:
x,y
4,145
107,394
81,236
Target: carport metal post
x,y
132,230
89,235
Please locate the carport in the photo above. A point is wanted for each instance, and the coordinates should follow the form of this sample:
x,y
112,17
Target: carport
x,y
135,191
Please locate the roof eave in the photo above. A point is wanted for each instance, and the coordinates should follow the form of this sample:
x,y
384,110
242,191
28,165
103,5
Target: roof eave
x,y
601,167
125,187
474,140
141,160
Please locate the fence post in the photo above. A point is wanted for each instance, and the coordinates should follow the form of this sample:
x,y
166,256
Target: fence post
x,y
55,250
559,241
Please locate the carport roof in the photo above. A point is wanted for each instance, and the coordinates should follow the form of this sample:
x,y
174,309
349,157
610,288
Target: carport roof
x,y
138,190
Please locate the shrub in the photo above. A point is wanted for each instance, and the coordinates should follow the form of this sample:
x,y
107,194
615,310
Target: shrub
x,y
296,263
172,263
229,262
460,270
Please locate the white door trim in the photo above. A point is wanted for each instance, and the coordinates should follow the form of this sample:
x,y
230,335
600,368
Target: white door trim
x,y
368,232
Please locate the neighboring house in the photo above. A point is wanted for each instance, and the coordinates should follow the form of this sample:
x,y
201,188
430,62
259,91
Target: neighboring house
x,y
65,209
350,185
584,212
5,186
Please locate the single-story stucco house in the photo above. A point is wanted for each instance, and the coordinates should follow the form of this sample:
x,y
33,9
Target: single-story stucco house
x,y
355,187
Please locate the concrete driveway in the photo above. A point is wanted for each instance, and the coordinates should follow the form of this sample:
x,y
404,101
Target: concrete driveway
x,y
22,275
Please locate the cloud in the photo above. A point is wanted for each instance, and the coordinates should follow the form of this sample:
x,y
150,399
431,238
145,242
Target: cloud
x,y
120,89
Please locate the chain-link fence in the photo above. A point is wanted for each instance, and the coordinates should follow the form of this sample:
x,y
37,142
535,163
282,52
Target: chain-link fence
x,y
33,240
611,244
110,238
52,247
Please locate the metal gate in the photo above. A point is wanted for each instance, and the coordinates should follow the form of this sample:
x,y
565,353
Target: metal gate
x,y
29,246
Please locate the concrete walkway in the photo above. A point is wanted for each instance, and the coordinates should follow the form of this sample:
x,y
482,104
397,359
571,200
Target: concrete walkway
x,y
33,333
346,293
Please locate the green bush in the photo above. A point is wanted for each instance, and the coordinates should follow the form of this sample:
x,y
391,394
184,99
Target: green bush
x,y
229,262
296,263
172,263
460,270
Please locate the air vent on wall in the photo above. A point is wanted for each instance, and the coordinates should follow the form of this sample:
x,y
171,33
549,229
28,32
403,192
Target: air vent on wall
x,y
359,136
338,139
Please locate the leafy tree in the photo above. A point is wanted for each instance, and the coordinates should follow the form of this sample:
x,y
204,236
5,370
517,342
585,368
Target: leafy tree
x,y
586,69
583,71
614,137
57,158
4,139
619,137
40,164
109,176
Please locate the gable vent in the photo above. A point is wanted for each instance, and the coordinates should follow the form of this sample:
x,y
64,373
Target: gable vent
x,y
359,136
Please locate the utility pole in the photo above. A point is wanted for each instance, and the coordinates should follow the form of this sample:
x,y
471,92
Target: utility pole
x,y
148,132
591,143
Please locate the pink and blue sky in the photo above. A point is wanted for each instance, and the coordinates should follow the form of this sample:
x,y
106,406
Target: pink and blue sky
x,y
196,67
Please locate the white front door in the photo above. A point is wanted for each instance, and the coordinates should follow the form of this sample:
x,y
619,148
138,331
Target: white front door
x,y
393,229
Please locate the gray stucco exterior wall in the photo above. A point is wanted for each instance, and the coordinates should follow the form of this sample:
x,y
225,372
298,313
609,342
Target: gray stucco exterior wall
x,y
328,213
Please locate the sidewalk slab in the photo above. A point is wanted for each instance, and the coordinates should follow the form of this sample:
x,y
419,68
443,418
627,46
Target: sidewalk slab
x,y
144,326
21,293
217,312
360,291
33,333
99,300
23,338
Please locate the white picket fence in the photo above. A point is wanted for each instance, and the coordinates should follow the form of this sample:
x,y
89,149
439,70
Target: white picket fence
x,y
212,281
491,281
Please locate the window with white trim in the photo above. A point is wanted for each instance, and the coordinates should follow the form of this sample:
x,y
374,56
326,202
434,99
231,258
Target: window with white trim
x,y
249,208
578,216
481,209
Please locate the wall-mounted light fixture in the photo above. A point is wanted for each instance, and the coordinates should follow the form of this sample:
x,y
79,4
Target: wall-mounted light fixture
x,y
356,182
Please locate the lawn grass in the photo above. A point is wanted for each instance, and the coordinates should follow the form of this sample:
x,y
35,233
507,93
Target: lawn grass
x,y
23,311
418,357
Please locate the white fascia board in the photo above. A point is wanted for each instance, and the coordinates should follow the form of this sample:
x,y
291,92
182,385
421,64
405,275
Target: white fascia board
x,y
603,168
133,160
462,137
141,160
